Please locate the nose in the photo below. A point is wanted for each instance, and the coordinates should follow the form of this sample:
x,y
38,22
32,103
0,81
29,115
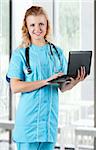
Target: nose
x,y
37,28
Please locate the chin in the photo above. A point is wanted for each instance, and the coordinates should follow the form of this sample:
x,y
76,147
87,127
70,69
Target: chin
x,y
39,38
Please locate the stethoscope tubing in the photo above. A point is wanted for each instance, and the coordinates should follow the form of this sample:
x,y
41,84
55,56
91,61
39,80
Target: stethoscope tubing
x,y
28,68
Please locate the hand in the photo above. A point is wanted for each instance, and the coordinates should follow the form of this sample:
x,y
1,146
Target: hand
x,y
80,75
54,76
72,82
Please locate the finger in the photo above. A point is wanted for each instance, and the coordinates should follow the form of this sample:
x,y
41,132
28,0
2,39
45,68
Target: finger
x,y
82,73
71,82
78,76
60,74
56,76
67,82
72,79
81,77
84,70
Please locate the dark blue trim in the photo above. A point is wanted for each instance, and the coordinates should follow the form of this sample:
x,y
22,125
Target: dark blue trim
x,y
7,79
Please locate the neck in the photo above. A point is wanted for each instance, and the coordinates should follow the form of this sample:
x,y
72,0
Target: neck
x,y
39,42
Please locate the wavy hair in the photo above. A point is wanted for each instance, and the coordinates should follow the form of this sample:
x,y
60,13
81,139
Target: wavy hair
x,y
35,11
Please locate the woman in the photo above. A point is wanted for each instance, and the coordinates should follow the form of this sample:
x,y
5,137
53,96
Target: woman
x,y
37,114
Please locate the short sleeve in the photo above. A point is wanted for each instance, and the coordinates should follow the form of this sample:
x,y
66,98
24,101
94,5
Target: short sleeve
x,y
16,66
63,61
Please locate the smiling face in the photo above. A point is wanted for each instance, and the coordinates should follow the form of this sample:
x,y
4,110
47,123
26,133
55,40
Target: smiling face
x,y
37,27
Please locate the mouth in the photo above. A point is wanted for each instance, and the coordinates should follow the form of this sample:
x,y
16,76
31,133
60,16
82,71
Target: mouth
x,y
37,33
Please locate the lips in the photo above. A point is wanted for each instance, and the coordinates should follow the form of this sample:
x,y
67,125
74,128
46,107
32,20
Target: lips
x,y
37,33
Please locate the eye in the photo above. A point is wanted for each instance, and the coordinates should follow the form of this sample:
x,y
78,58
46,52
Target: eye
x,y
41,24
32,25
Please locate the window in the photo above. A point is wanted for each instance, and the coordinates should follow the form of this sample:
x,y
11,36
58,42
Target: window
x,y
69,25
4,61
74,20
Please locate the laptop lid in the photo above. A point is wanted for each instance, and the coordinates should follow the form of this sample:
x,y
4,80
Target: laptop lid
x,y
78,59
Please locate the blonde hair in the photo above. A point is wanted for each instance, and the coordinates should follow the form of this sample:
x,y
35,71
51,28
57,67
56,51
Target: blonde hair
x,y
35,11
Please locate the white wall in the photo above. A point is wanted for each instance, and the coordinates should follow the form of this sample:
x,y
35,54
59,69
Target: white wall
x,y
87,25
87,43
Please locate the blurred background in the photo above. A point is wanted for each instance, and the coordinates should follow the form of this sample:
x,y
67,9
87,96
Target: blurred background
x,y
73,29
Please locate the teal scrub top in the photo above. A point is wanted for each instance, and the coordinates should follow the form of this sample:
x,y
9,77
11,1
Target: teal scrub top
x,y
37,112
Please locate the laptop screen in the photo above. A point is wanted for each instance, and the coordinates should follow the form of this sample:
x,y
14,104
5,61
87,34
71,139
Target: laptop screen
x,y
78,59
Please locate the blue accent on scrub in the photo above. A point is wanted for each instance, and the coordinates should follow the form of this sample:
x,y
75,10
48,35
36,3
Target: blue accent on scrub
x,y
37,112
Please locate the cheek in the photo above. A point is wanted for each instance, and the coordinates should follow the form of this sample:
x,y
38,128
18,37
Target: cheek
x,y
31,31
44,29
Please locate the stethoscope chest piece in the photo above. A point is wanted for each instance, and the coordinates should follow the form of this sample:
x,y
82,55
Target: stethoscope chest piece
x,y
28,70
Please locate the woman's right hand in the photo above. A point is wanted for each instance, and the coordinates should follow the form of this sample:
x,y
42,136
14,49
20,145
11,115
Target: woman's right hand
x,y
54,76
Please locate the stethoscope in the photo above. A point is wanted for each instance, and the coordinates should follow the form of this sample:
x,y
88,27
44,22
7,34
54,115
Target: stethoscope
x,y
28,69
53,55
51,45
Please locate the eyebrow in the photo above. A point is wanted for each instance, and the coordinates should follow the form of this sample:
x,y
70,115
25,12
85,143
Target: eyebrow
x,y
38,23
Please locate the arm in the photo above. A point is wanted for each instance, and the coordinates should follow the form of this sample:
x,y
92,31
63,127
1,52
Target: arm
x,y
21,86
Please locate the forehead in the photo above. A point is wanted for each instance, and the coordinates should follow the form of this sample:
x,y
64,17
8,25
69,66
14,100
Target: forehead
x,y
33,19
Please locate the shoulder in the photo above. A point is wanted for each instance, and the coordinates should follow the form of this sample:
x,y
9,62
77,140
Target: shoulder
x,y
18,51
60,50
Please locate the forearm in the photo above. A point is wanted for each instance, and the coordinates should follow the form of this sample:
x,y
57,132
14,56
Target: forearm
x,y
22,86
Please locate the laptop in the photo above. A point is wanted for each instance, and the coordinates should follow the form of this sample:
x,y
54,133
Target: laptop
x,y
76,60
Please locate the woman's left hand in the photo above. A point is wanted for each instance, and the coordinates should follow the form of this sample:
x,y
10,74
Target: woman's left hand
x,y
80,76
72,82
